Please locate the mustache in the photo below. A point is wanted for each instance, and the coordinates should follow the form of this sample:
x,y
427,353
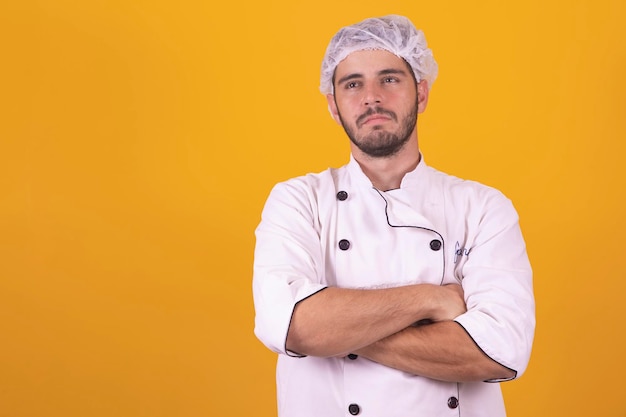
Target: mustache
x,y
375,110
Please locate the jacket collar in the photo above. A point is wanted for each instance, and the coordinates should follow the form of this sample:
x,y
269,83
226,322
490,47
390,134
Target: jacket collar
x,y
410,180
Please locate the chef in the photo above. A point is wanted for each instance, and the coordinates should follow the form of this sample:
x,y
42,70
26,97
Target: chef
x,y
387,287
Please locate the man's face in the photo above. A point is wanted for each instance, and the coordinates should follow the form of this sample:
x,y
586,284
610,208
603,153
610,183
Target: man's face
x,y
376,100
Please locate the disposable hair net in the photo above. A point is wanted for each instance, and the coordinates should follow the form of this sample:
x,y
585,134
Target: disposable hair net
x,y
392,33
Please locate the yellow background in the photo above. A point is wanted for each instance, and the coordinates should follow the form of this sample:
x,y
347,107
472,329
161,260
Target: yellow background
x,y
139,140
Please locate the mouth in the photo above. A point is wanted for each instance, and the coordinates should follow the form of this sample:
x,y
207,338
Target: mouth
x,y
375,117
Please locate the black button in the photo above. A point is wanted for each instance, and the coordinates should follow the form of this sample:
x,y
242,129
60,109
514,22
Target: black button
x,y
344,244
453,402
435,244
354,409
342,195
352,356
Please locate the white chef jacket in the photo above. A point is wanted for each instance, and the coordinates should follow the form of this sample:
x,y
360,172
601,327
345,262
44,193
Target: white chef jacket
x,y
335,229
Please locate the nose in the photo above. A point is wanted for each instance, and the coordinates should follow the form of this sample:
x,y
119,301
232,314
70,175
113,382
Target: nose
x,y
372,95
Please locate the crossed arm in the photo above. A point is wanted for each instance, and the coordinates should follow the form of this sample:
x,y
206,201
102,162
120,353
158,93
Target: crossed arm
x,y
379,325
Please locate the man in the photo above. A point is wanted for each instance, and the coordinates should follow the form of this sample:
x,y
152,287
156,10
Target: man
x,y
389,288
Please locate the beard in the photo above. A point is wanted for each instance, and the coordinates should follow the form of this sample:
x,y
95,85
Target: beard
x,y
381,143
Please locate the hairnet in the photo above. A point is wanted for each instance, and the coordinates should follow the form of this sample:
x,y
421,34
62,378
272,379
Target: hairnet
x,y
392,33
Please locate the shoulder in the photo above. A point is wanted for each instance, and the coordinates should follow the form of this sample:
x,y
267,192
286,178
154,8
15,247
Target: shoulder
x,y
469,193
308,184
305,192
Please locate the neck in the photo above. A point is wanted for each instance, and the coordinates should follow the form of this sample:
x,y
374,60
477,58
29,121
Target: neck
x,y
387,173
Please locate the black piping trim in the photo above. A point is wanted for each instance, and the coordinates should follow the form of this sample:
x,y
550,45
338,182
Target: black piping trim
x,y
289,352
479,348
443,243
458,397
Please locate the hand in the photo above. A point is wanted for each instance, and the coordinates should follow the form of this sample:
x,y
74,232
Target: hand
x,y
449,302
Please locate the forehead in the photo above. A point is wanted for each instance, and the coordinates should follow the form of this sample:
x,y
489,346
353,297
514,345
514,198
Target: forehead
x,y
370,62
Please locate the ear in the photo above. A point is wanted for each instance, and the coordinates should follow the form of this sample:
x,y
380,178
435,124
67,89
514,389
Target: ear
x,y
332,108
422,96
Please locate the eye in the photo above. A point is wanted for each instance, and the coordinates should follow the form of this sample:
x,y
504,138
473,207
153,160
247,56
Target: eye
x,y
351,84
388,80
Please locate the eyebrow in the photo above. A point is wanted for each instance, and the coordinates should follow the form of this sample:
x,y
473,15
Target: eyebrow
x,y
357,75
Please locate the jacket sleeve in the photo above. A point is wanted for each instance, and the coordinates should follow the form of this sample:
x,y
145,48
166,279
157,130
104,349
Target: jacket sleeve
x,y
497,281
288,264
